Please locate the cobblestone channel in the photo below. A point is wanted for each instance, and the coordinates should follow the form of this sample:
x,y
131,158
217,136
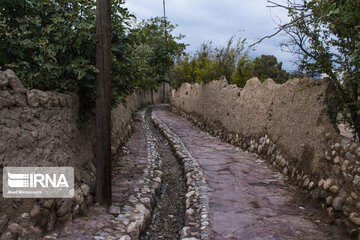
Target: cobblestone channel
x,y
168,216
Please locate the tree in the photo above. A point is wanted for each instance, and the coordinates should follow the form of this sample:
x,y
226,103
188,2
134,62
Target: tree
x,y
157,53
267,66
209,63
324,35
50,45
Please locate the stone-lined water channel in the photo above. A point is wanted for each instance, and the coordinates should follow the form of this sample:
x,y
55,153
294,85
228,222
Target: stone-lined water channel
x,y
168,216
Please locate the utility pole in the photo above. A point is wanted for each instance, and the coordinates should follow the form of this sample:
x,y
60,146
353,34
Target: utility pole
x,y
103,120
165,35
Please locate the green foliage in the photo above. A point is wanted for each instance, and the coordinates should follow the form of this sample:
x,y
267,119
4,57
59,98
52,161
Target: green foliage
x,y
47,42
51,45
155,50
325,36
232,61
209,63
267,66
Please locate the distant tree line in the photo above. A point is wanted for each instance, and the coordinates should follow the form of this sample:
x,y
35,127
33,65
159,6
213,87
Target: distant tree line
x,y
232,61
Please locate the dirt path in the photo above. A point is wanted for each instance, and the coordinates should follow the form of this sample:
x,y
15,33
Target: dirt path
x,y
128,166
248,199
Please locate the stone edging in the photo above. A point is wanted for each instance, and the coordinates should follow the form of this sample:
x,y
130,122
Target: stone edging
x,y
197,225
336,191
133,218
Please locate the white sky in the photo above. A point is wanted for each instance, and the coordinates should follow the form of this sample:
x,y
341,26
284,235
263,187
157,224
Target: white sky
x,y
209,20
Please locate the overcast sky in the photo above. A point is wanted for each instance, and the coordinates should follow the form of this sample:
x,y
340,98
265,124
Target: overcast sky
x,y
210,20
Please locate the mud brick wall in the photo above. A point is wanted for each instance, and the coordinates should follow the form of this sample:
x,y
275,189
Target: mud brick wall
x,y
291,126
40,128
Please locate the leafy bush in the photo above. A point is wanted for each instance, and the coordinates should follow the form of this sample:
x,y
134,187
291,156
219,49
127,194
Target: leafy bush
x,y
51,45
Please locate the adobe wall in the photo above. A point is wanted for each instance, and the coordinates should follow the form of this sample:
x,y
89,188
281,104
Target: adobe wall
x,y
39,128
288,124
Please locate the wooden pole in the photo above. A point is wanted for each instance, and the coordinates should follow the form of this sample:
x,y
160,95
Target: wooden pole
x,y
103,120
165,35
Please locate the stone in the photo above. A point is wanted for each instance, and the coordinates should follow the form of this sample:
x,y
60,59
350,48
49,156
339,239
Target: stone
x,y
189,212
92,167
48,203
157,179
79,197
345,142
8,236
36,230
315,194
336,159
329,200
50,237
327,183
283,162
184,232
85,189
337,203
344,165
251,148
321,182
336,146
14,82
330,212
349,156
65,207
126,237
124,220
354,195
355,218
143,210
189,194
356,180
306,182
334,189
24,215
35,211
146,201
323,194
336,169
76,210
357,151
15,229
311,185
114,210
133,230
